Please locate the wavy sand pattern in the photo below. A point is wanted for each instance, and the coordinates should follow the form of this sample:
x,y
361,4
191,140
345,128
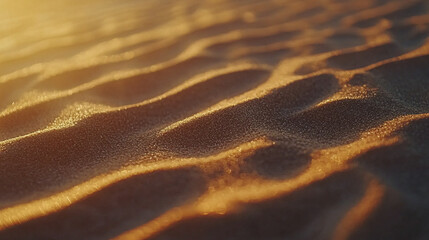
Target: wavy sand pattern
x,y
214,119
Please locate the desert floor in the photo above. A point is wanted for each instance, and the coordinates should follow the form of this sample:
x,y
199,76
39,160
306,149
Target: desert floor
x,y
214,119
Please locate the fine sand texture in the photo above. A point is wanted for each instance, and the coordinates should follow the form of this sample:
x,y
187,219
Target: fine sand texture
x,y
214,119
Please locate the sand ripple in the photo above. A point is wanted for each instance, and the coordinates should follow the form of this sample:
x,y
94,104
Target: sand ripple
x,y
214,119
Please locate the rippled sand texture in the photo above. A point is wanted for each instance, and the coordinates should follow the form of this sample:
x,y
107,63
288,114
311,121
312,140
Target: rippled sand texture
x,y
214,119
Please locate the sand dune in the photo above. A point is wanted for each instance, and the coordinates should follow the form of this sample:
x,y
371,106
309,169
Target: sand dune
x,y
214,119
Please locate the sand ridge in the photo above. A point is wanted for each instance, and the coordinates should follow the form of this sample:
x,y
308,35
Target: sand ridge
x,y
214,119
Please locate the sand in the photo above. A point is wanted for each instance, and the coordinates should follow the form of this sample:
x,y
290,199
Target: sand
x,y
214,119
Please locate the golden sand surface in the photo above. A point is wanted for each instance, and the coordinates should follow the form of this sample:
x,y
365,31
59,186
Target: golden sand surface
x,y
214,119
